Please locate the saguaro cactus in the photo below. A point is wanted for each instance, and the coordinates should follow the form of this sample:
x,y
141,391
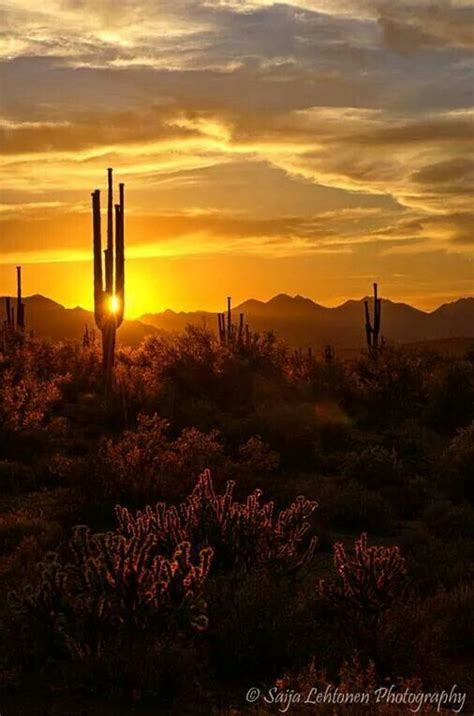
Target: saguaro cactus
x,y
373,331
9,315
229,332
109,298
20,306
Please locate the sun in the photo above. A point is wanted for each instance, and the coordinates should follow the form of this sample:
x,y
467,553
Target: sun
x,y
114,304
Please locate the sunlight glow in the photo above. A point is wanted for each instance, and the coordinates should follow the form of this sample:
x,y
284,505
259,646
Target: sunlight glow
x,y
114,304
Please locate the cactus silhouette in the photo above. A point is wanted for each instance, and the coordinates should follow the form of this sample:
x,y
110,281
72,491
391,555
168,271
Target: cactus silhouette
x,y
228,331
373,331
109,295
20,306
10,329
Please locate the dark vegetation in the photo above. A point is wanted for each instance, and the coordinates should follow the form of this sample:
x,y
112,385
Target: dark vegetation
x,y
181,588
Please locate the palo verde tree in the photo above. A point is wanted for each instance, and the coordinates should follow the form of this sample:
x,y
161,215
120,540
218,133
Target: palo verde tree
x,y
109,294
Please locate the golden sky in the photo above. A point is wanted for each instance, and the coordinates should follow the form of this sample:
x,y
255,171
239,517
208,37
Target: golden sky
x,y
306,146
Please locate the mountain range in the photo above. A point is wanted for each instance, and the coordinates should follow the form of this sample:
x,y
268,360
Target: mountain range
x,y
302,322
299,321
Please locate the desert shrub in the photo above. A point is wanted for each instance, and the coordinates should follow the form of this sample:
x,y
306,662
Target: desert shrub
x,y
449,521
275,626
431,636
451,399
449,614
145,464
410,497
25,401
457,466
355,676
351,506
388,385
288,427
241,534
16,476
33,525
257,459
418,448
333,439
435,562
113,598
374,467
14,527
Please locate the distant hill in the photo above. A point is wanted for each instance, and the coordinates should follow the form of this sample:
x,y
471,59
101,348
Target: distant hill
x,y
302,322
48,319
298,320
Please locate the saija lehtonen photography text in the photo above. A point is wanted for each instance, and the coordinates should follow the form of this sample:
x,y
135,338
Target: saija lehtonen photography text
x,y
284,699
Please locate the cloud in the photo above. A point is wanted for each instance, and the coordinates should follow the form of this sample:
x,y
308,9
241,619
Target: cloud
x,y
252,126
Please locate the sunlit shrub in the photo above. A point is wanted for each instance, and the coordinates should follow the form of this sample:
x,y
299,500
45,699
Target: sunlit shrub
x,y
145,463
24,402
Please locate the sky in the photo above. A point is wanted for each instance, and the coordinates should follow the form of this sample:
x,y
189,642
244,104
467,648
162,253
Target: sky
x,y
308,147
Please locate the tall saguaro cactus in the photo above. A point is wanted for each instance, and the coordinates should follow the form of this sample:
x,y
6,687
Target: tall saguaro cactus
x,y
373,330
20,306
228,332
109,297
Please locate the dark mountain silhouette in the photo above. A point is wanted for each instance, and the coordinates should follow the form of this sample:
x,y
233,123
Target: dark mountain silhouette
x,y
302,322
48,319
298,320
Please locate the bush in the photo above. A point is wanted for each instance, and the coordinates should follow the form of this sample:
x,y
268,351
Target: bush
x,y
451,403
258,625
374,467
450,522
16,476
350,506
458,465
436,562
144,464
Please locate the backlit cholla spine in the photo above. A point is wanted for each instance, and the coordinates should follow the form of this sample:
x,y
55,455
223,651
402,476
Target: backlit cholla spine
x,y
240,533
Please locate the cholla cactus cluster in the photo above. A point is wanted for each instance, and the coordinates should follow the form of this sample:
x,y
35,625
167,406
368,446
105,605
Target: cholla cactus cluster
x,y
368,582
116,588
241,533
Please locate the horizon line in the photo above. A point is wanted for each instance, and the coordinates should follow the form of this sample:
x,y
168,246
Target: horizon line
x,y
264,302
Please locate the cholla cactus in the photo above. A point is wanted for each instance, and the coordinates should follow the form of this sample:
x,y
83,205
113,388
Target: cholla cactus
x,y
241,534
114,589
370,581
